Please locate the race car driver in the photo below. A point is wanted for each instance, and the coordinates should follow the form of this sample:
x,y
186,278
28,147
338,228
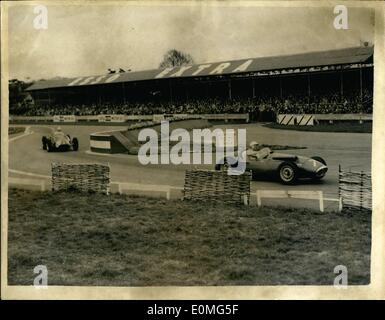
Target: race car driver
x,y
257,151
59,137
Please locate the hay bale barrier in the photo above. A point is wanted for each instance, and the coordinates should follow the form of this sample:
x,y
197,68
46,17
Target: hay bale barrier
x,y
91,178
217,186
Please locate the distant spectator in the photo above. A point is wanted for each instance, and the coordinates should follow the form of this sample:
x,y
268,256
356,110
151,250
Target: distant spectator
x,y
289,104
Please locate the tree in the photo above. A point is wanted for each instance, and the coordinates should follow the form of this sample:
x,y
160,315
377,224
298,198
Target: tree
x,y
175,58
19,99
17,91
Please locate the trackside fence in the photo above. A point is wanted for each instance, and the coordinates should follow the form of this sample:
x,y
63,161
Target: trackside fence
x,y
355,189
354,192
314,119
318,196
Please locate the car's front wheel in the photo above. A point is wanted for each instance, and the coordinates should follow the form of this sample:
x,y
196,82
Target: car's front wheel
x,y
319,175
48,145
287,173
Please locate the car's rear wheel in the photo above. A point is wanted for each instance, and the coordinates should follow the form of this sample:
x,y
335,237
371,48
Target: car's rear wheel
x,y
75,144
226,164
44,142
287,173
220,167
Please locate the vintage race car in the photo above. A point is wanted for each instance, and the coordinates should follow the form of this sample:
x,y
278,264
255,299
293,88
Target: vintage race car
x,y
287,168
59,141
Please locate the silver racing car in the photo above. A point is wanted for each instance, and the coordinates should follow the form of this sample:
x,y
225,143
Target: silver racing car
x,y
287,168
59,141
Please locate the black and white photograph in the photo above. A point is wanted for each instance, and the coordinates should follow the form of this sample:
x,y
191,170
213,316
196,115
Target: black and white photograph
x,y
171,149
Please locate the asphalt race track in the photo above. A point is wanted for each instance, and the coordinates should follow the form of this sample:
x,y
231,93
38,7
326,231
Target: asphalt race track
x,y
350,150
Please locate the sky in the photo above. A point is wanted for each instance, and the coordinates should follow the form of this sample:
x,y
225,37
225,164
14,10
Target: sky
x,y
86,40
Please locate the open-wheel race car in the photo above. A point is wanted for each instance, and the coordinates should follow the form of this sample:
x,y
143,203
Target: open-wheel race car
x,y
59,141
287,168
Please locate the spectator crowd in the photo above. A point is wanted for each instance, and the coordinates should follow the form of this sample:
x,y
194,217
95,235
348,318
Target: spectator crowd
x,y
290,104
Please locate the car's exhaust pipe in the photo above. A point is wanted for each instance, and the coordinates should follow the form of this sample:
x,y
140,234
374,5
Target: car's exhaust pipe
x,y
321,171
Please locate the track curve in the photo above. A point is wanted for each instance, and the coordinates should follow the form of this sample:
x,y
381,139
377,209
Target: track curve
x,y
350,150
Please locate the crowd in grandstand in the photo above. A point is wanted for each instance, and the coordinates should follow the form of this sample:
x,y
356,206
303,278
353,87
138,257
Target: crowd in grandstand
x,y
297,104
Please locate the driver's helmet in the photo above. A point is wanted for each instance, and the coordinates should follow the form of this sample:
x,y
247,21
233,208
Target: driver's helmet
x,y
58,129
253,143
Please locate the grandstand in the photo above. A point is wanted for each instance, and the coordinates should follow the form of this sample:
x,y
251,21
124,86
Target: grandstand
x,y
337,81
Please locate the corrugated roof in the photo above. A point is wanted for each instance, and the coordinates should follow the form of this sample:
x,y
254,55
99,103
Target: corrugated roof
x,y
310,59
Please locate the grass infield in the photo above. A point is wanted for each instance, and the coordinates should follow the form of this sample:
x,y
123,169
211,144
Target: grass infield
x,y
365,127
117,240
15,130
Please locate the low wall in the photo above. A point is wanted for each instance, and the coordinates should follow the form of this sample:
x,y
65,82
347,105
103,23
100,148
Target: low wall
x,y
126,141
344,117
121,118
217,187
105,143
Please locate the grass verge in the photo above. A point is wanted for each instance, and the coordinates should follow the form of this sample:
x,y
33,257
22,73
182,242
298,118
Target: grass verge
x,y
119,240
365,127
15,130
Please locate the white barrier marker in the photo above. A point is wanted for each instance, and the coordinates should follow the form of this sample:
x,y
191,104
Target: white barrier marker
x,y
296,194
321,201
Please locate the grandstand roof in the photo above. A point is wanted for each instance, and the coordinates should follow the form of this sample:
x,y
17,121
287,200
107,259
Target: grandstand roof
x,y
305,60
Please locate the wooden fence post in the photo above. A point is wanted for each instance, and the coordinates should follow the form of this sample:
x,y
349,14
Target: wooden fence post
x,y
361,187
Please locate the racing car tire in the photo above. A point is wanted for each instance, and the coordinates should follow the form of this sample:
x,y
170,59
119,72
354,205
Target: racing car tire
x,y
75,144
224,165
218,167
287,173
48,145
44,142
319,159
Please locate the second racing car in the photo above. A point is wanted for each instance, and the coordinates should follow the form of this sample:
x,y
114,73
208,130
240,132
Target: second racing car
x,y
59,141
